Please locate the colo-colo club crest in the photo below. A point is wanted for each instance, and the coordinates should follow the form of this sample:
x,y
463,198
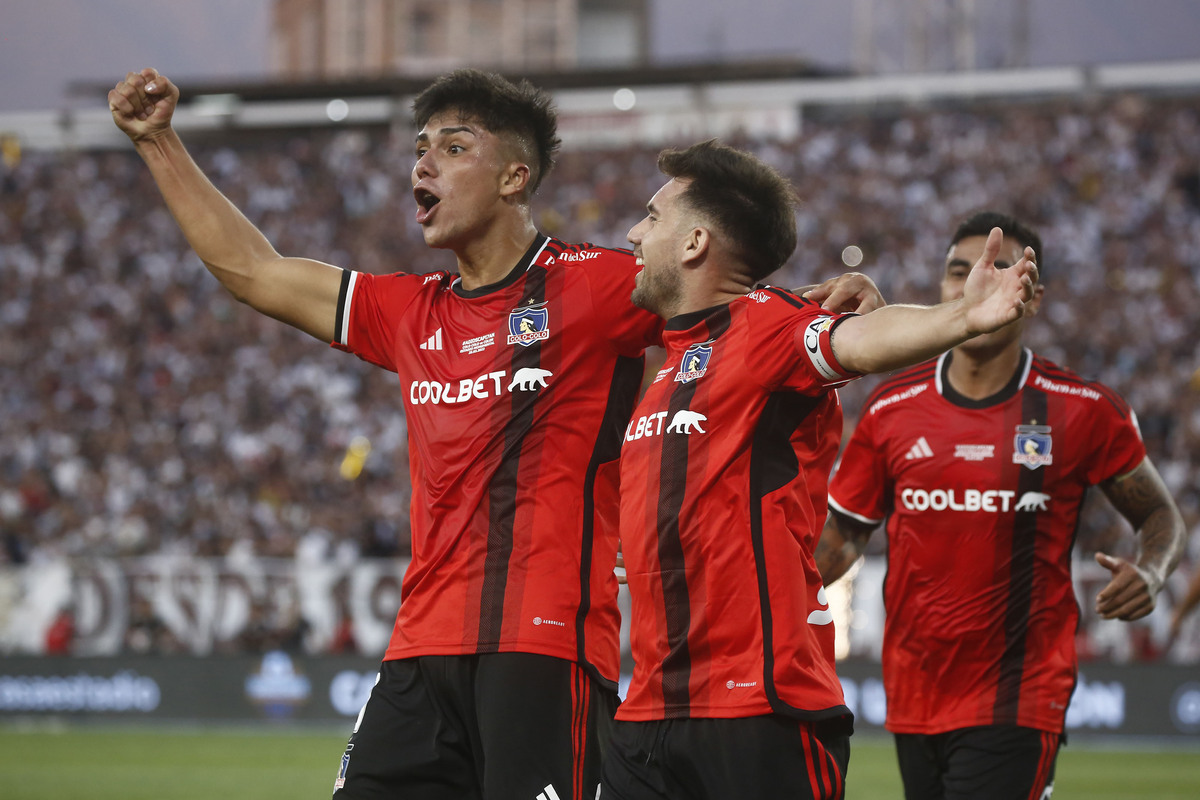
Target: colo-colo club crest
x,y
528,324
694,362
1031,446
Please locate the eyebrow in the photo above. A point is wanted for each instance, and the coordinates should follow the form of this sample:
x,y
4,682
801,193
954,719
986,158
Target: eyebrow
x,y
424,137
962,262
650,207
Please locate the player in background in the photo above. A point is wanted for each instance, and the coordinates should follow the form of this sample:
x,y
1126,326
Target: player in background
x,y
517,376
724,472
979,461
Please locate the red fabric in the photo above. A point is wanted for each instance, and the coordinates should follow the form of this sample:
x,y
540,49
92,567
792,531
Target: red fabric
x,y
981,613
723,475
514,499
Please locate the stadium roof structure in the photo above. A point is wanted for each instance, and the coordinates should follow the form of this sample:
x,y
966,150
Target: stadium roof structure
x,y
554,80
607,107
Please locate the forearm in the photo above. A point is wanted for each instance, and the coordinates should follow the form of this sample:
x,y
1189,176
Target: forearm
x,y
1161,539
898,336
833,560
838,549
225,240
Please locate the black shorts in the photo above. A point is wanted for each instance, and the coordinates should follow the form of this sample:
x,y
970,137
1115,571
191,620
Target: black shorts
x,y
504,726
750,758
990,762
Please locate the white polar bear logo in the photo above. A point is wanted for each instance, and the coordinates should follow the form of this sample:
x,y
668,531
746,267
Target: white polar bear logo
x,y
686,421
529,378
1032,501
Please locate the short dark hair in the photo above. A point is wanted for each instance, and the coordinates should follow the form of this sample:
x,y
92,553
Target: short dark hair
x,y
746,200
517,110
982,222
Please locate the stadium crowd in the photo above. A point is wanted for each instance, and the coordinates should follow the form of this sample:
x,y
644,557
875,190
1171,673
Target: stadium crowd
x,y
142,411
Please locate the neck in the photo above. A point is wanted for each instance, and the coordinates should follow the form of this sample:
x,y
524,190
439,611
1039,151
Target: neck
x,y
711,289
489,258
980,373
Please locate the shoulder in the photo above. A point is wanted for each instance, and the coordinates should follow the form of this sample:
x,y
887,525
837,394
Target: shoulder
x,y
1050,378
902,388
558,253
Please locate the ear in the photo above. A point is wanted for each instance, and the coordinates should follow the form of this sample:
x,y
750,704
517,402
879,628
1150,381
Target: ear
x,y
1035,302
695,246
514,180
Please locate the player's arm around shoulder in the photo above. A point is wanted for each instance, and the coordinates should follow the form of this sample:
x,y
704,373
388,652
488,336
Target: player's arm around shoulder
x,y
1142,498
300,292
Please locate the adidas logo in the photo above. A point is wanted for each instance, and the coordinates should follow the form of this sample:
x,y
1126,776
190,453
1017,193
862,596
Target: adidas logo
x,y
919,450
548,793
435,341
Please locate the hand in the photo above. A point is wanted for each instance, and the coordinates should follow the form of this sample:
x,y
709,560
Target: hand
x,y
852,292
1131,592
995,297
143,104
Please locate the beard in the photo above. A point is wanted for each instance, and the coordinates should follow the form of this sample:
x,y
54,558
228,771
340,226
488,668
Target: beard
x,y
656,292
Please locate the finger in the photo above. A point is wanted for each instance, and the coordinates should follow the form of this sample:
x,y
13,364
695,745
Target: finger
x,y
1108,562
1135,608
838,297
1121,592
992,247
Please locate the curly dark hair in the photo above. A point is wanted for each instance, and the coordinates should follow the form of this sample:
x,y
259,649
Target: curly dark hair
x,y
982,222
750,203
519,112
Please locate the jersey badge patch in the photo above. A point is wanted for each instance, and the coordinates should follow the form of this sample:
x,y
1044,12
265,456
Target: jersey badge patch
x,y
694,363
528,324
1031,446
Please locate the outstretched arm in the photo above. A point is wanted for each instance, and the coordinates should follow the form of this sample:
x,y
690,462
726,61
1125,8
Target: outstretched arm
x,y
843,541
900,335
300,292
1142,498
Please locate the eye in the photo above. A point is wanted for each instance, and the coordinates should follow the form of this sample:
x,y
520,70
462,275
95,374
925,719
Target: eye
x,y
421,151
455,149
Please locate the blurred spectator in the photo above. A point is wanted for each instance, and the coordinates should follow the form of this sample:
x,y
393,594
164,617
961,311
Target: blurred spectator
x,y
143,411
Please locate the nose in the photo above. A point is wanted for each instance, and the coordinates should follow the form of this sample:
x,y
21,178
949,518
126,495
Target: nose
x,y
425,167
635,233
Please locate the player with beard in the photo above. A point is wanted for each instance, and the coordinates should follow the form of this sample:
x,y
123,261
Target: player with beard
x,y
517,374
979,462
724,471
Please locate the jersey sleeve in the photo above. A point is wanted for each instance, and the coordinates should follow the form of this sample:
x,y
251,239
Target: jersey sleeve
x,y
794,344
859,485
1121,447
630,329
369,310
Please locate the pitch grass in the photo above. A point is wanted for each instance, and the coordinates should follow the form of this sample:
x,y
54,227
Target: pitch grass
x,y
46,763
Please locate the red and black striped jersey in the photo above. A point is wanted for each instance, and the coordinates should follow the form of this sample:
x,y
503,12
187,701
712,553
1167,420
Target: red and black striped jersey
x,y
516,396
724,472
982,499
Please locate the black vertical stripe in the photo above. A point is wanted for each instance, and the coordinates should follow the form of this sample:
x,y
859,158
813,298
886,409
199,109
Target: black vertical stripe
x,y
340,314
622,395
502,493
773,464
672,487
1020,582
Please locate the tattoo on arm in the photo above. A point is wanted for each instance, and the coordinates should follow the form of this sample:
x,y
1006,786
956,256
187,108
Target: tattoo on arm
x,y
1143,499
842,541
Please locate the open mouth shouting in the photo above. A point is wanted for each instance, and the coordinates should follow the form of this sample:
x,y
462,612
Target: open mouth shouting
x,y
426,202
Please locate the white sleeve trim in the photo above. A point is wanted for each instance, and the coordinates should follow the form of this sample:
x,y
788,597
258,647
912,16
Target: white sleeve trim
x,y
838,507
